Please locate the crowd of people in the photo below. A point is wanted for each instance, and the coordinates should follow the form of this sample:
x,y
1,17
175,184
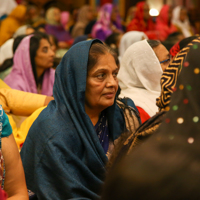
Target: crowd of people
x,y
96,107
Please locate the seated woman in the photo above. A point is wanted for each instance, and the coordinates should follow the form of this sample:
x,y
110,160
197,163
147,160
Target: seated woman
x,y
143,21
85,15
139,76
67,147
108,22
12,178
164,25
32,71
181,21
54,27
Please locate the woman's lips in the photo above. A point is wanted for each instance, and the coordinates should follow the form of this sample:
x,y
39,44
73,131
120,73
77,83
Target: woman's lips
x,y
109,95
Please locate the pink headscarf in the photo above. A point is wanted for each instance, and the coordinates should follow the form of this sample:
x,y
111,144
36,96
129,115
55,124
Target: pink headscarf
x,y
22,77
64,19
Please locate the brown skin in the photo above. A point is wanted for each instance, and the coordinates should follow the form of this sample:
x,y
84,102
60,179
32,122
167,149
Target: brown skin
x,y
162,54
44,57
146,12
90,14
101,87
183,14
15,184
57,15
169,15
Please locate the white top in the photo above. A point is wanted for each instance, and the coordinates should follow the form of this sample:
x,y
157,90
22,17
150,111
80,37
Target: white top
x,y
6,6
139,76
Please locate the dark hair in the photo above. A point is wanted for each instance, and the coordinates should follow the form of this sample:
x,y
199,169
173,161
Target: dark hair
x,y
153,43
9,62
112,41
171,40
97,50
34,45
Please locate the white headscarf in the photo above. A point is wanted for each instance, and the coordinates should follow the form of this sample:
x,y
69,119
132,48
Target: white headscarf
x,y
128,39
183,26
6,50
6,6
139,76
20,31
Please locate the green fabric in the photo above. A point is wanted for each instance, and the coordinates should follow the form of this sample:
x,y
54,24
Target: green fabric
x,y
6,130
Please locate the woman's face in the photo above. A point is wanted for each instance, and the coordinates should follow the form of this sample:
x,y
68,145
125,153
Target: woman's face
x,y
170,14
114,14
163,55
44,56
90,14
102,84
57,15
183,15
146,11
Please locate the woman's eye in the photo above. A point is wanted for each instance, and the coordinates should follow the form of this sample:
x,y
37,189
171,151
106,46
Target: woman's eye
x,y
115,74
45,50
100,76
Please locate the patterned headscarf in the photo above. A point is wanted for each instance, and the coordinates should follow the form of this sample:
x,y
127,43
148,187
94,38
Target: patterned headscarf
x,y
170,75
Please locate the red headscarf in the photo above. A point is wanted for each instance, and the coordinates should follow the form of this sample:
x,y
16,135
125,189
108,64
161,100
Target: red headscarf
x,y
163,26
138,23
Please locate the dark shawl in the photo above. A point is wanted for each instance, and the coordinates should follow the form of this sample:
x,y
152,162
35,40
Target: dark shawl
x,y
170,75
167,165
62,155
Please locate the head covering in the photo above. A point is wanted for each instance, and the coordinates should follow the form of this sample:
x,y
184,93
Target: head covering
x,y
82,21
21,76
6,50
62,155
20,31
170,75
184,26
65,17
139,76
104,19
138,23
50,16
128,39
163,25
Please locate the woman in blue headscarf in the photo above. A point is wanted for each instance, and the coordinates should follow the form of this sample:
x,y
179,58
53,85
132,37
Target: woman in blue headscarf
x,y
67,147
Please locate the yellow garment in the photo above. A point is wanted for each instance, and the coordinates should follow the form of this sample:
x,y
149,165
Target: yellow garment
x,y
21,132
20,103
12,23
4,85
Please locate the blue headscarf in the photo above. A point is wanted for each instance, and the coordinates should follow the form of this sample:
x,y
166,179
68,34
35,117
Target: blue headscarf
x,y
62,155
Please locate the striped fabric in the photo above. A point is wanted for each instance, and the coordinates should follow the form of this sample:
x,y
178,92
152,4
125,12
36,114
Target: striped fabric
x,y
169,77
